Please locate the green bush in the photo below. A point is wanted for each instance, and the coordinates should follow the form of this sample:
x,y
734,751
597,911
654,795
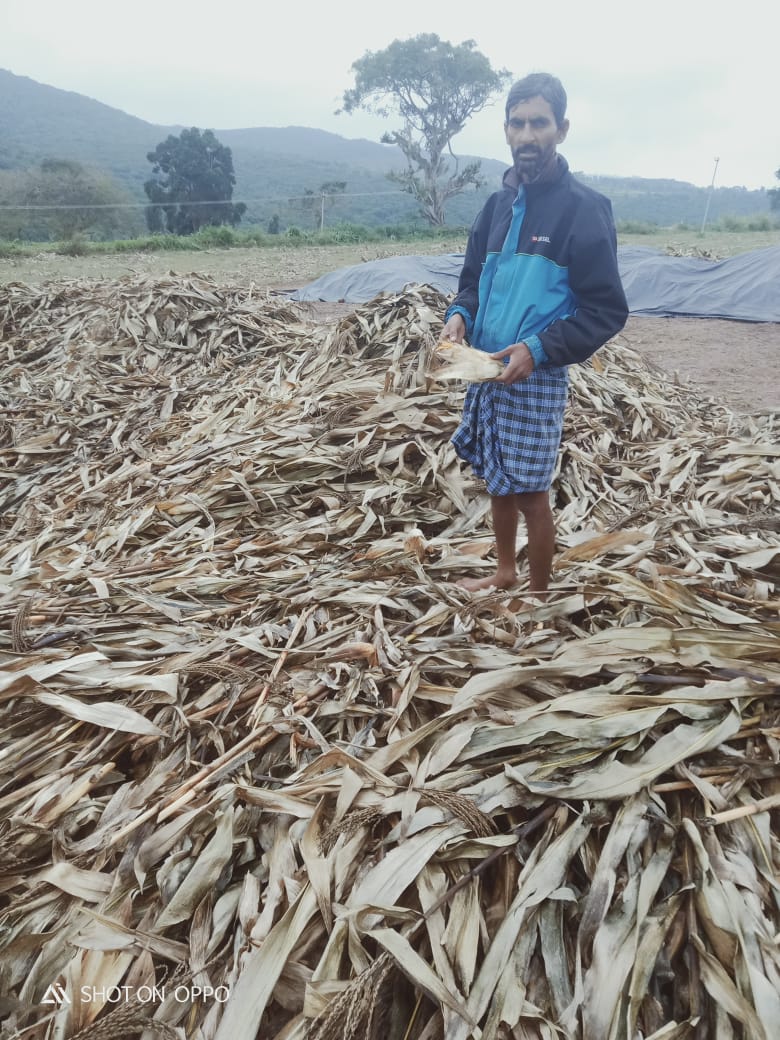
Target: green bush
x,y
74,245
424,232
219,236
761,222
8,250
346,233
257,237
148,244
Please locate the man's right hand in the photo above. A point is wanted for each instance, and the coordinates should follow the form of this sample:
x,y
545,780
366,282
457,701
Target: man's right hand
x,y
455,329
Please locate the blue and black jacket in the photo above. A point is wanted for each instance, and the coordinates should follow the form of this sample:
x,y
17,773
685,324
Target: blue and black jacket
x,y
541,268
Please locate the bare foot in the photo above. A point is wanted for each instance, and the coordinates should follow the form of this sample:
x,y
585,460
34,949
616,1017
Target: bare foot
x,y
499,580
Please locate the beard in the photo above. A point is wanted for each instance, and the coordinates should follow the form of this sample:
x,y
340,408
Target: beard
x,y
531,162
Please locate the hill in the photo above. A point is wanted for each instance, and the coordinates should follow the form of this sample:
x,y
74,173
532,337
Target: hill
x,y
275,164
39,122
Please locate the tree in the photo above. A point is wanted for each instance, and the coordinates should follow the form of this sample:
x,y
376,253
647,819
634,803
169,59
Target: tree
x,y
192,184
61,198
435,87
774,194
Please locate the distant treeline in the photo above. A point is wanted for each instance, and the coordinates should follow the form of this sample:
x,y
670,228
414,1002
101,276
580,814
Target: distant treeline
x,y
670,202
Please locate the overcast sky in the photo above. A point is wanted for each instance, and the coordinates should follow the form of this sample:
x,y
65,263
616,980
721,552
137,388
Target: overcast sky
x,y
655,90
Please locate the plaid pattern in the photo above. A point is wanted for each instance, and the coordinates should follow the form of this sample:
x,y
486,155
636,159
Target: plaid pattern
x,y
510,435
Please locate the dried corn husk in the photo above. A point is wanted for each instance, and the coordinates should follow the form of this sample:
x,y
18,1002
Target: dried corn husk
x,y
460,361
254,736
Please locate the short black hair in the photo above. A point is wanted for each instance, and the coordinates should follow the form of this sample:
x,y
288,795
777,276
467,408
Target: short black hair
x,y
539,84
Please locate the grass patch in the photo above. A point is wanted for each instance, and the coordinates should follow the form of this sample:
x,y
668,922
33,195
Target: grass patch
x,y
224,237
9,250
724,243
729,236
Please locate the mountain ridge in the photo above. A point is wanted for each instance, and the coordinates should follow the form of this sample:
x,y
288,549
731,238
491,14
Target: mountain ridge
x,y
274,165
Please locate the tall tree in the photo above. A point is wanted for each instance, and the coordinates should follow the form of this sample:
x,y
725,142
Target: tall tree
x,y
774,194
192,184
435,87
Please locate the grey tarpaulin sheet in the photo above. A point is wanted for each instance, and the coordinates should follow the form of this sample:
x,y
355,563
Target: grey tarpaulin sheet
x,y
744,287
363,282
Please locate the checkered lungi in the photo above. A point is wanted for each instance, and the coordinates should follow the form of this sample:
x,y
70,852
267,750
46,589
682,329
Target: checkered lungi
x,y
510,434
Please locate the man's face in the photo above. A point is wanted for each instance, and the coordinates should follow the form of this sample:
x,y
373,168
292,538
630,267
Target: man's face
x,y
533,135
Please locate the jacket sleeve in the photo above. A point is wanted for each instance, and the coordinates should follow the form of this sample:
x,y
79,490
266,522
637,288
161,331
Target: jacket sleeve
x,y
594,279
466,302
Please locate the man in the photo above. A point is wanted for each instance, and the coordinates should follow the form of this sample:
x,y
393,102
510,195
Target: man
x,y
540,290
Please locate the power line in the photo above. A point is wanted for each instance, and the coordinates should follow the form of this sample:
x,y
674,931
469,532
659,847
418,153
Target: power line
x,y
217,202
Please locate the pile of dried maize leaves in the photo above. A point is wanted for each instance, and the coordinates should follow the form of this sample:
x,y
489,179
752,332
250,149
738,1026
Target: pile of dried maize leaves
x,y
256,741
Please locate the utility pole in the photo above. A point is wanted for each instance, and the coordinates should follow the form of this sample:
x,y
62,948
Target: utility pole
x,y
709,196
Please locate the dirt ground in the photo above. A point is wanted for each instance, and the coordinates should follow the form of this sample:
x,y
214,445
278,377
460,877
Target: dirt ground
x,y
736,363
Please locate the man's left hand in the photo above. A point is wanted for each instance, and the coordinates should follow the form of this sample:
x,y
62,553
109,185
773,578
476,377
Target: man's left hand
x,y
520,365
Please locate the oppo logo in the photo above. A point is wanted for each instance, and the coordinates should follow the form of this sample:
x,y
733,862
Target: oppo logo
x,y
56,995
